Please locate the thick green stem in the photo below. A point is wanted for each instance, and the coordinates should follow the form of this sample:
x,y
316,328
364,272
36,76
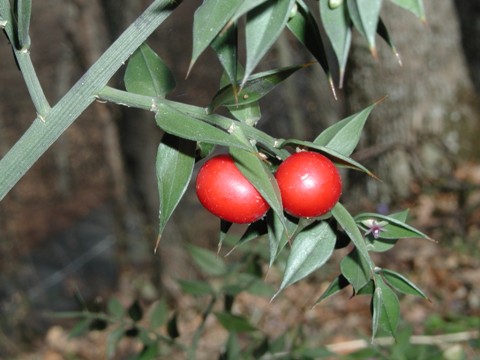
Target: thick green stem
x,y
44,132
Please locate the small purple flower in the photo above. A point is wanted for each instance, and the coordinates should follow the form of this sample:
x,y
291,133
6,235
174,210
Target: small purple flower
x,y
374,228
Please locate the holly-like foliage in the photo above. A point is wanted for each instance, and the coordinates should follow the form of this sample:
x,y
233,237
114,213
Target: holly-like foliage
x,y
192,132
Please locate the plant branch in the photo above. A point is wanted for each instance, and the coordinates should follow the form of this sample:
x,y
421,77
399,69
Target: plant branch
x,y
125,98
24,60
42,134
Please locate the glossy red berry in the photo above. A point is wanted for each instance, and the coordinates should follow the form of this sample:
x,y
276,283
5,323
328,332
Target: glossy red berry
x,y
225,192
309,183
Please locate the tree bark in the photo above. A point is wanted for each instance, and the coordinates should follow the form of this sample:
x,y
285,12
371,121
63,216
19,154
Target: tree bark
x,y
421,130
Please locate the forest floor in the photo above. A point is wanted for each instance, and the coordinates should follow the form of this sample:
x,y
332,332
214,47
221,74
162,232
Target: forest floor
x,y
447,270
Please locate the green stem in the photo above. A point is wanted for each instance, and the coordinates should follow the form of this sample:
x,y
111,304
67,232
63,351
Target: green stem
x,y
42,134
198,332
24,60
125,98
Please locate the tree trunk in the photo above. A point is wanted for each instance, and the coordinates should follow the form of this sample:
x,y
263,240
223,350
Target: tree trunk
x,y
421,130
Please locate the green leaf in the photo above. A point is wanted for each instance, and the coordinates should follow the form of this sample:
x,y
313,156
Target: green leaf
x,y
174,165
80,328
402,284
159,314
365,15
177,123
224,228
386,309
344,135
264,25
113,339
234,323
253,168
415,6
305,28
250,113
385,35
347,222
334,155
115,308
253,231
311,249
147,74
209,20
338,284
225,46
24,12
338,27
395,227
279,234
355,269
195,288
208,262
254,88
135,311
233,348
203,150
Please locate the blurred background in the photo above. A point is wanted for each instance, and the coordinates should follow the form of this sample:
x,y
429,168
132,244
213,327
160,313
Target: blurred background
x,y
82,224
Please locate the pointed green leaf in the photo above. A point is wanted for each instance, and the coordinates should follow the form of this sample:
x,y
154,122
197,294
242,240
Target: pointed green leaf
x,y
347,222
278,234
401,283
209,20
225,46
386,309
368,289
159,314
234,323
233,349
311,249
195,288
24,12
264,25
252,166
250,113
115,308
395,227
305,28
208,262
355,269
147,74
377,306
415,6
213,18
337,157
80,328
177,123
338,284
254,88
174,165
224,228
385,35
113,339
338,27
365,15
344,135
253,231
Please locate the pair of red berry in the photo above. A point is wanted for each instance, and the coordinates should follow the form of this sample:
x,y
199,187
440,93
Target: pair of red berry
x,y
309,184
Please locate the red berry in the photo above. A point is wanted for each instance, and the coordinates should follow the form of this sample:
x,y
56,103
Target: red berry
x,y
224,191
309,183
